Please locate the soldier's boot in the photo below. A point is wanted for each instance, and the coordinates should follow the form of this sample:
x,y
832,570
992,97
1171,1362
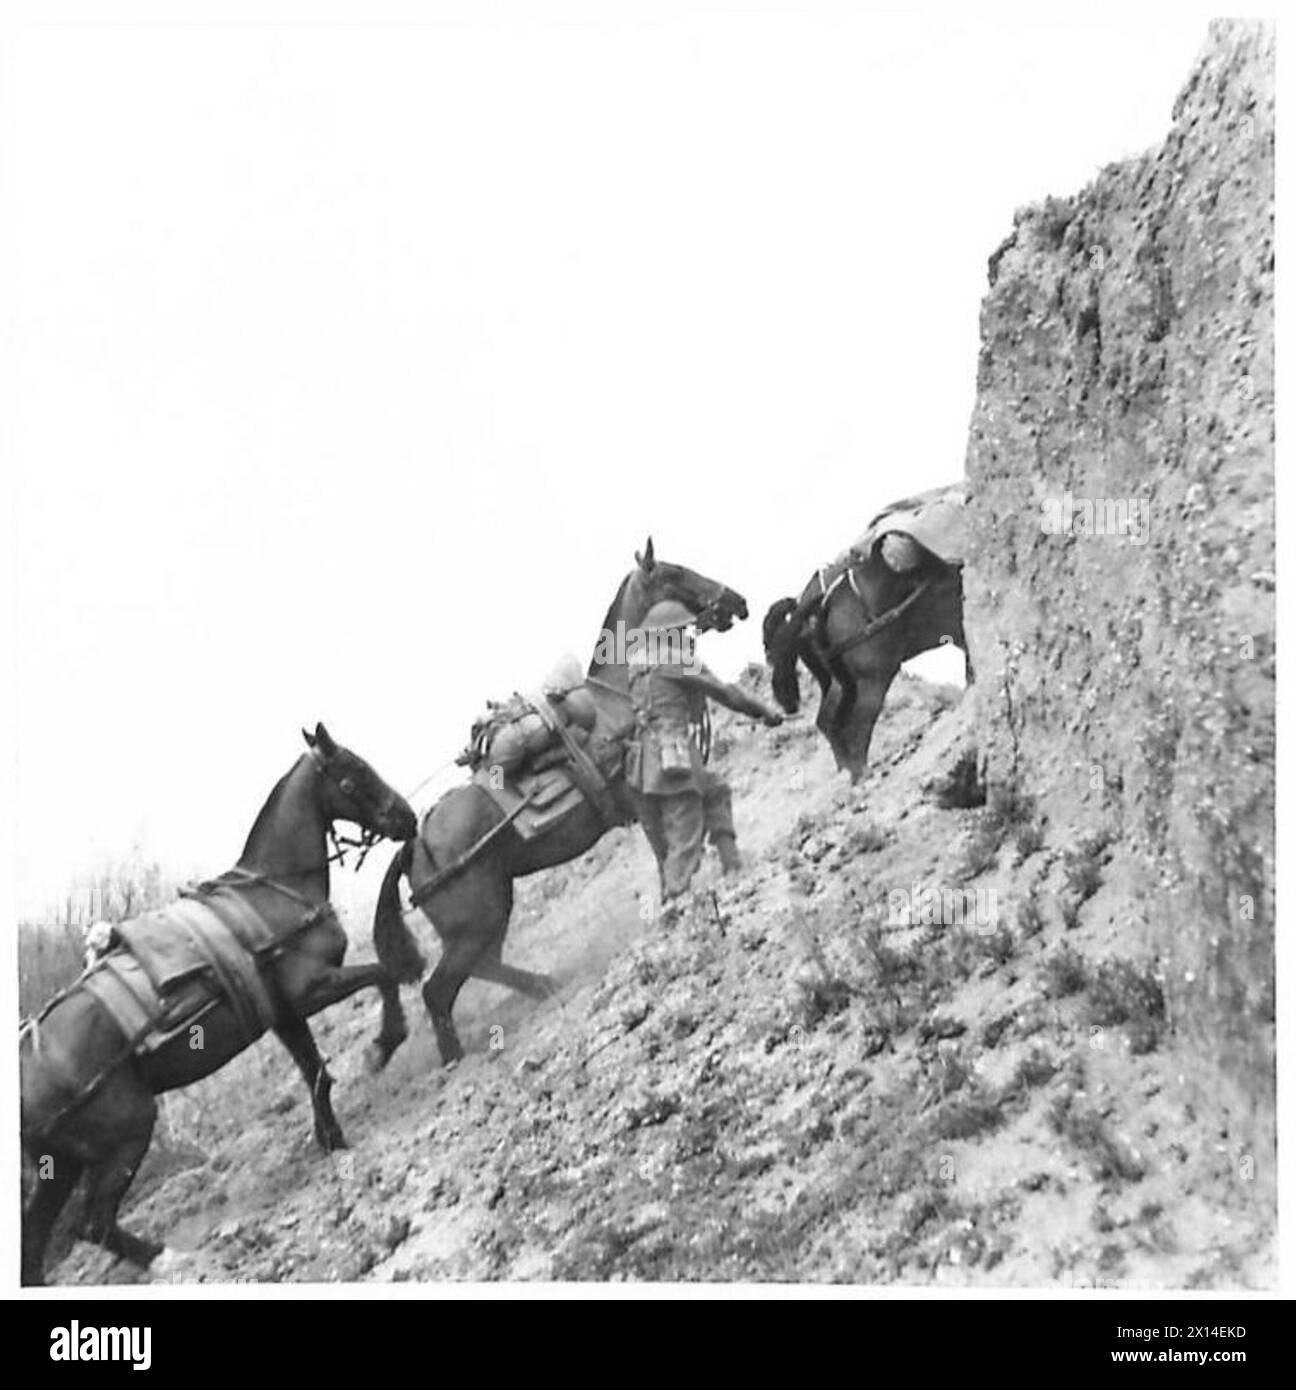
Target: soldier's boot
x,y
731,862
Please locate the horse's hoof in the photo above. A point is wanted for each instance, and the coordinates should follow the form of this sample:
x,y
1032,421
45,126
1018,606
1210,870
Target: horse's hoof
x,y
331,1140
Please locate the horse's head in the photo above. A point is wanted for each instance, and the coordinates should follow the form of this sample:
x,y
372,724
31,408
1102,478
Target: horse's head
x,y
715,604
354,792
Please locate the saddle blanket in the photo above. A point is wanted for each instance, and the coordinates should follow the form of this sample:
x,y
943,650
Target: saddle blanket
x,y
554,797
181,960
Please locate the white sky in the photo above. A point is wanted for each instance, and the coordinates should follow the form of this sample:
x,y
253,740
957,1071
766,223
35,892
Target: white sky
x,y
351,362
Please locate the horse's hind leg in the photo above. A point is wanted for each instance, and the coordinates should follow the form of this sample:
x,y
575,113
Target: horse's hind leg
x,y
471,915
134,1114
295,1034
57,1175
490,967
458,960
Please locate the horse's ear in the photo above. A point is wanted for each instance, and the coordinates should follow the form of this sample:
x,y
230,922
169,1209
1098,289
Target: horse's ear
x,y
646,560
310,739
324,741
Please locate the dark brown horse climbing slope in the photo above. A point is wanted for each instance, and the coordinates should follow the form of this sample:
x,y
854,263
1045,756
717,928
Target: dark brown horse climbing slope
x,y
462,866
897,592
185,990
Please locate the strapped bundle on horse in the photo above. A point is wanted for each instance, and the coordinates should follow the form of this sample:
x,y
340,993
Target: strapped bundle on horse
x,y
540,756
164,972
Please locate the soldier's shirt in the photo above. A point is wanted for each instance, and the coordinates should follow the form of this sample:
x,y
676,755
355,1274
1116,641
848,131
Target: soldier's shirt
x,y
668,706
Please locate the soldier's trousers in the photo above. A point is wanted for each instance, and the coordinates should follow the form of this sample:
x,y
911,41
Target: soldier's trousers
x,y
678,824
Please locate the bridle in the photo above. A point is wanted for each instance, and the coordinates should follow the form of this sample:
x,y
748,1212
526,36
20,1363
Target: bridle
x,y
243,878
367,838
708,616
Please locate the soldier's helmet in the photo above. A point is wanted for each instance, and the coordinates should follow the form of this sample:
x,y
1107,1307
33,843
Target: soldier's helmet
x,y
668,615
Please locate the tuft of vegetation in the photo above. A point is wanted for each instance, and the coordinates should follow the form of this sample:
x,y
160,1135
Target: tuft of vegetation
x,y
1028,840
889,966
1082,868
1034,1070
1065,973
1009,812
1124,994
1084,1128
999,946
1030,917
864,839
962,787
970,1113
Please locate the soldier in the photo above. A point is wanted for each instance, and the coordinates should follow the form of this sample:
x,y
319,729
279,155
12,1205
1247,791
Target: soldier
x,y
677,799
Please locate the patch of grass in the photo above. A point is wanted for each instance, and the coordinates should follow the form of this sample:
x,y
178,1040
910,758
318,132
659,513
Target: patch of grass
x,y
1122,993
962,787
1009,811
1065,973
952,959
999,946
888,966
1028,840
981,848
1030,917
1083,1127
993,1031
1010,805
1034,1070
864,839
970,1113
1082,868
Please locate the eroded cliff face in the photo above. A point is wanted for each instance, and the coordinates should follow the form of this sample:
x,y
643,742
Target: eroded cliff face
x,y
1127,680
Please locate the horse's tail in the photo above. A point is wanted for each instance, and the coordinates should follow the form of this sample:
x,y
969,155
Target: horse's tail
x,y
397,952
783,629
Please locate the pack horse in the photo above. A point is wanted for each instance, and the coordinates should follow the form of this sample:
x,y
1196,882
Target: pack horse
x,y
895,593
184,989
479,837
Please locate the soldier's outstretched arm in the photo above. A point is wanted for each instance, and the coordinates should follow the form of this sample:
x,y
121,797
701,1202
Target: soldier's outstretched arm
x,y
700,679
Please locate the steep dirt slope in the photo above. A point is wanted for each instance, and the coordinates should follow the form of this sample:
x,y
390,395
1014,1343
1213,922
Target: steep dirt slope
x,y
1127,354
789,1086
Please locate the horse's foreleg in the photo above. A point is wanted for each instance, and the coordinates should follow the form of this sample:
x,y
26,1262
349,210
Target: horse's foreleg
x,y
295,1034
